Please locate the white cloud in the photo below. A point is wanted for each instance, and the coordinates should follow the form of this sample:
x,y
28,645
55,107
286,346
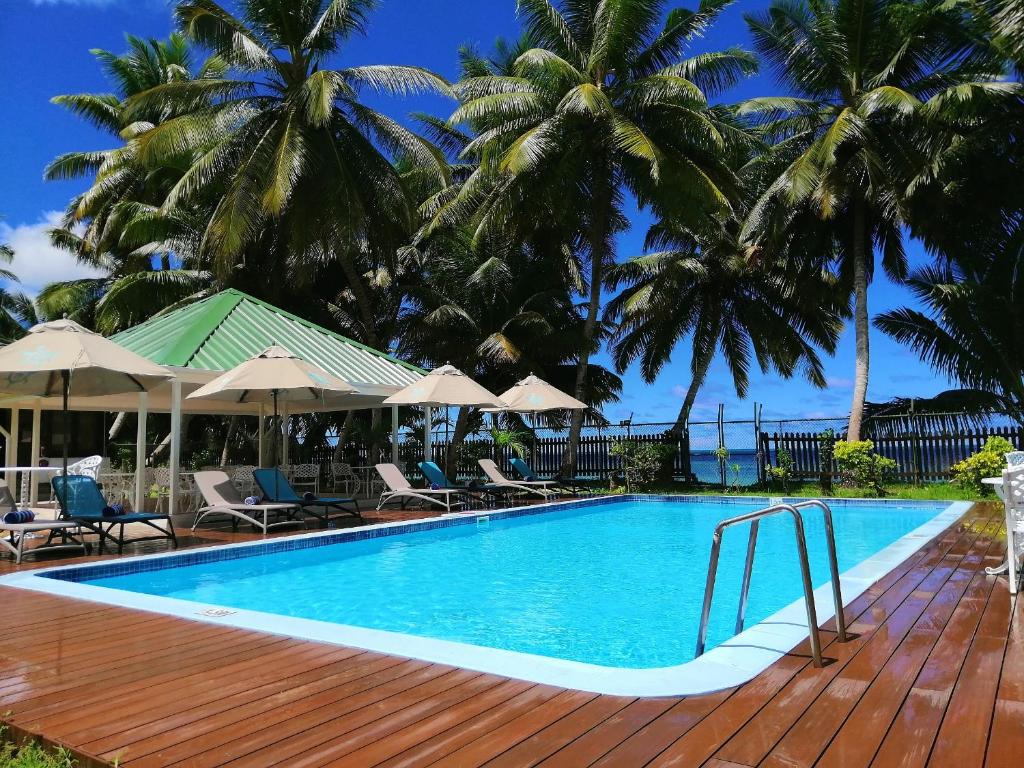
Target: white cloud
x,y
37,261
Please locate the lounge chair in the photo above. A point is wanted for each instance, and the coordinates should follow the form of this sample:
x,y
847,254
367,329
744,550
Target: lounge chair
x,y
82,501
277,489
400,489
487,492
15,532
541,488
573,485
221,496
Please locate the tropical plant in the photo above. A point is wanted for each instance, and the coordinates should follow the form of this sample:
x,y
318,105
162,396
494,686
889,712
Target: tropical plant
x,y
858,73
114,226
601,104
782,472
642,463
990,461
971,323
288,160
17,310
704,285
860,467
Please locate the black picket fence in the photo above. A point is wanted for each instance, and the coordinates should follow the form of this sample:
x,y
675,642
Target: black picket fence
x,y
923,446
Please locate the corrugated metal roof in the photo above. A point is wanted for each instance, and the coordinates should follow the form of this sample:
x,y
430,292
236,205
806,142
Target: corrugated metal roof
x,y
228,328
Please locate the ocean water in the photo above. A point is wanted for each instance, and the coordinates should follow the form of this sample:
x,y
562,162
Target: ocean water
x,y
616,584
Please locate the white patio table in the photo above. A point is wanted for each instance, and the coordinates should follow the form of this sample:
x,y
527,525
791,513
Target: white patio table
x,y
997,483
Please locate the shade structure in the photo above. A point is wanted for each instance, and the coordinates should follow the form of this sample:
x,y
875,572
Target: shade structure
x,y
444,386
275,374
61,356
534,395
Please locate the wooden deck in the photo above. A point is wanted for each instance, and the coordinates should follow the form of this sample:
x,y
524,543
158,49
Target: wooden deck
x,y
935,677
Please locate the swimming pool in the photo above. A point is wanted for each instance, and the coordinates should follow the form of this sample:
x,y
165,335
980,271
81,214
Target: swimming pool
x,y
602,595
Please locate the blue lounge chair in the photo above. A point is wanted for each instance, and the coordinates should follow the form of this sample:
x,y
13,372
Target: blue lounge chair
x,y
485,492
82,501
277,490
573,485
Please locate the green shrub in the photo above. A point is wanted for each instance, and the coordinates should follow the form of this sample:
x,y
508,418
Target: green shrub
x,y
781,474
32,755
990,461
860,467
643,463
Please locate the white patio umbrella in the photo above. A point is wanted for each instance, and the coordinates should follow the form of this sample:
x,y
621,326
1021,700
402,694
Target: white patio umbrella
x,y
271,376
444,386
61,356
533,395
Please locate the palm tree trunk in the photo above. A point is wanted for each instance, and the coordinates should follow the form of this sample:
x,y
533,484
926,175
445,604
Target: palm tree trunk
x,y
343,433
700,371
115,428
861,325
451,459
228,440
598,253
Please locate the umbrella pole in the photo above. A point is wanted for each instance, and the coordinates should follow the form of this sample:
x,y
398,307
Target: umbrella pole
x,y
66,381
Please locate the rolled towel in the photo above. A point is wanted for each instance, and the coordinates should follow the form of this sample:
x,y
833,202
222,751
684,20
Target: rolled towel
x,y
118,509
109,511
435,487
19,516
530,478
251,501
307,496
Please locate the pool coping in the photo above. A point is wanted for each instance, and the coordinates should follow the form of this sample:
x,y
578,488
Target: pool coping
x,y
729,664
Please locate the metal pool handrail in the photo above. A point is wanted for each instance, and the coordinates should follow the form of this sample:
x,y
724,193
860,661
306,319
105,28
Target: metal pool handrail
x,y
833,564
754,519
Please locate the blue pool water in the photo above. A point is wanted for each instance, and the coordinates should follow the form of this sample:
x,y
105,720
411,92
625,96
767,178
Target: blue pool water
x,y
617,584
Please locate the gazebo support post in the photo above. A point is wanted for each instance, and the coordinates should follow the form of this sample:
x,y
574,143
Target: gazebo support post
x,y
284,435
175,462
140,452
12,443
37,425
394,434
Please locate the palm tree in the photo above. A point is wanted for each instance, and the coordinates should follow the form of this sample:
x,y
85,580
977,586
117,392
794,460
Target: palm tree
x,y
705,285
114,226
601,104
857,71
16,309
286,157
972,323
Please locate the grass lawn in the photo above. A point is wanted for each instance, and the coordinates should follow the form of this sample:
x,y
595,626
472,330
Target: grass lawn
x,y
926,492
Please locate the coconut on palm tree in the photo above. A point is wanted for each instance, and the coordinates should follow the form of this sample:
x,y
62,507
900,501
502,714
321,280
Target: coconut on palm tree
x,y
856,72
602,104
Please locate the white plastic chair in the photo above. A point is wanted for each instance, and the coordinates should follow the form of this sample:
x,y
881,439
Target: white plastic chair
x,y
1013,492
344,478
186,493
305,476
242,477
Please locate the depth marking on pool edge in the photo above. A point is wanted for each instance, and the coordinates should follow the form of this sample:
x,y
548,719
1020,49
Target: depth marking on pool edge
x,y
216,613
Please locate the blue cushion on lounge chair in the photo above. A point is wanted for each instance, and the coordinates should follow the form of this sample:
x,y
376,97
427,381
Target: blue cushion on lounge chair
x,y
523,469
434,475
276,488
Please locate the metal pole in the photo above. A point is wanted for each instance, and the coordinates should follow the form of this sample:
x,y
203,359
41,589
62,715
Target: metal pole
x,y
748,569
37,422
175,462
394,434
428,416
140,452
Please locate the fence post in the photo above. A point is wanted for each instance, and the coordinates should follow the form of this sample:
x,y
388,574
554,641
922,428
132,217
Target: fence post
x,y
721,443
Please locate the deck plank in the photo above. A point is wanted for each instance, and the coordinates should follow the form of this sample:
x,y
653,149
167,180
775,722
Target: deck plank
x,y
935,676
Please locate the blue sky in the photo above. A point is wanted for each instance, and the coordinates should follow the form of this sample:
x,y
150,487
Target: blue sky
x,y
45,48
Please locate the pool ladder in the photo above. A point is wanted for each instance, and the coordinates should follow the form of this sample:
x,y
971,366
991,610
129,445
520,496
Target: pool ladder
x,y
754,518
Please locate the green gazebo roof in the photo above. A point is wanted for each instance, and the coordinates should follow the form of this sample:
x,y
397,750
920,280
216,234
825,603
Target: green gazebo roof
x,y
221,331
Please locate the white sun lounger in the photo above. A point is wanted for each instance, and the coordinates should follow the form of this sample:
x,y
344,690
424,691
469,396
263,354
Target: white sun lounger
x,y
12,535
527,486
400,489
222,497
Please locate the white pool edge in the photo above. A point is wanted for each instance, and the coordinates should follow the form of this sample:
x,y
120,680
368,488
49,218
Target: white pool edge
x,y
732,663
